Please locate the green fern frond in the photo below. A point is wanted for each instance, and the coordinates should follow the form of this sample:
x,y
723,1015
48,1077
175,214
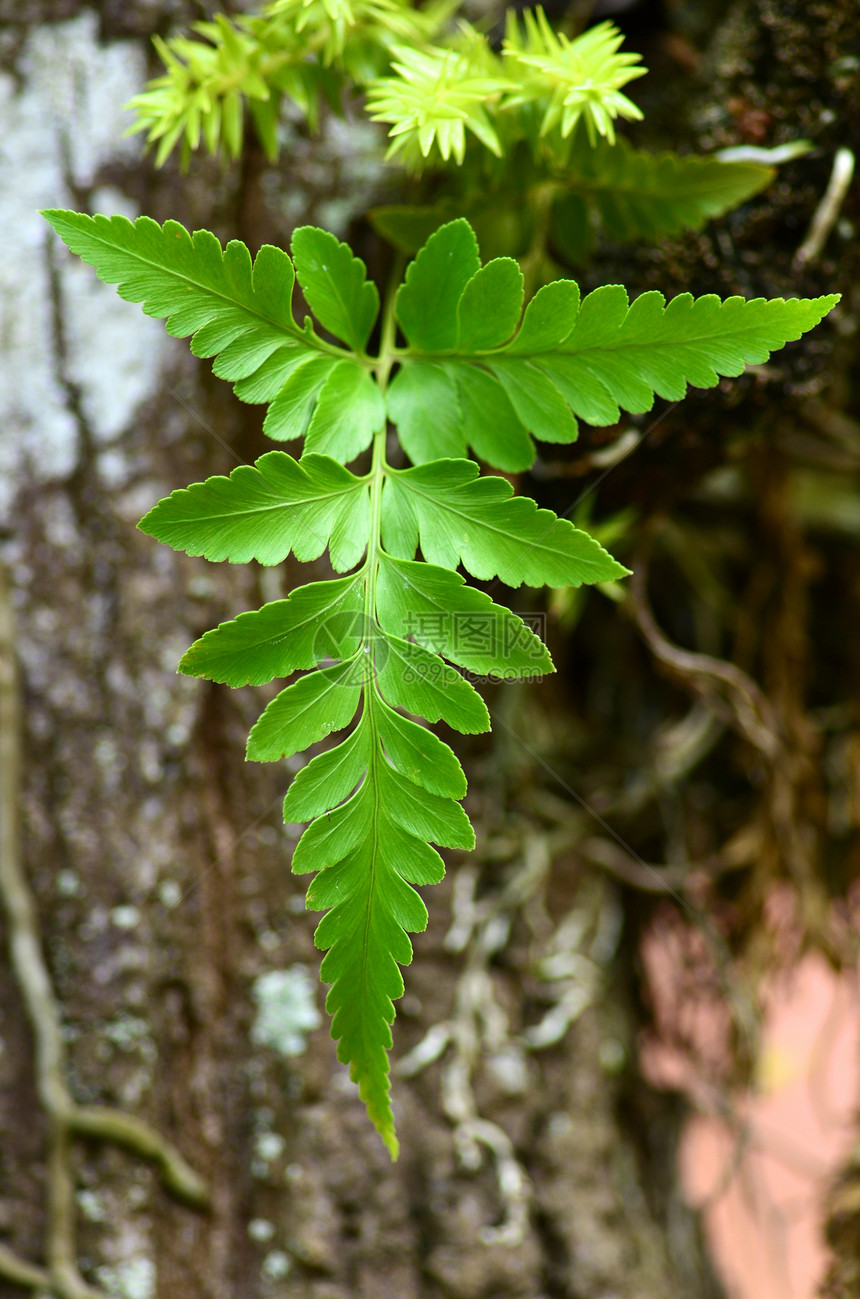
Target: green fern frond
x,y
384,643
577,80
435,96
634,195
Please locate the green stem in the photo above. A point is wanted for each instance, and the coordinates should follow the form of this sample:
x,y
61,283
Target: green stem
x,y
540,199
379,466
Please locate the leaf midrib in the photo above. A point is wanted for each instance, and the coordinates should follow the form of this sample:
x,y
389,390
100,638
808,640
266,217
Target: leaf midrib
x,y
500,353
625,185
371,778
281,505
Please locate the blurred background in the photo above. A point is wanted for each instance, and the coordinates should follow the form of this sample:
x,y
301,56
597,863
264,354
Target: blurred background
x,y
627,1060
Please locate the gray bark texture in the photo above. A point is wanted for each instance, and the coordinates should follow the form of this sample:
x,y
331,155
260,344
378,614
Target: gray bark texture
x,y
536,1163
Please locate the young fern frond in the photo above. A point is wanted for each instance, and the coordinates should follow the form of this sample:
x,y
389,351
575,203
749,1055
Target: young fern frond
x,y
304,50
207,80
571,81
382,645
434,96
340,20
431,90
